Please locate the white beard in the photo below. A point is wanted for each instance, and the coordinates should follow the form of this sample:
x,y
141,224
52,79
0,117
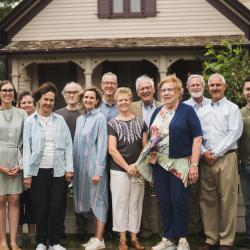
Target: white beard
x,y
196,94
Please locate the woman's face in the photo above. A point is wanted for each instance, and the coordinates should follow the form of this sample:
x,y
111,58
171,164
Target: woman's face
x,y
89,100
7,94
169,93
46,103
123,102
27,103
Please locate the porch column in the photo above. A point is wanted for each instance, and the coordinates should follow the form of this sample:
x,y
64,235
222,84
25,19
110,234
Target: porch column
x,y
24,81
15,75
88,72
163,67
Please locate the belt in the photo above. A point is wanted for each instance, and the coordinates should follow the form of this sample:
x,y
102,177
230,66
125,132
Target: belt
x,y
230,151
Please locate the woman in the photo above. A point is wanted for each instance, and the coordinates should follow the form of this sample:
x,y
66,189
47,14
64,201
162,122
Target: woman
x,y
173,151
127,136
47,151
90,152
11,127
27,215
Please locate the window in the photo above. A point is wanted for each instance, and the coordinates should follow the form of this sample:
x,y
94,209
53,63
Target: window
x,y
126,8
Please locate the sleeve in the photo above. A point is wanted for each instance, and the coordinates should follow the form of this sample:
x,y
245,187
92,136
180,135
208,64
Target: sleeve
x,y
75,144
194,123
27,131
111,130
102,145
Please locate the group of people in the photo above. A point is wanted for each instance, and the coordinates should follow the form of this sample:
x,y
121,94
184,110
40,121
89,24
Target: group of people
x,y
114,150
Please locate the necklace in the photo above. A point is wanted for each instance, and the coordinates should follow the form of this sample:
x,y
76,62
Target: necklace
x,y
8,115
45,119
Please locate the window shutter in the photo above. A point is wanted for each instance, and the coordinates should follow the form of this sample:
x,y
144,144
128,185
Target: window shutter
x,y
149,7
104,8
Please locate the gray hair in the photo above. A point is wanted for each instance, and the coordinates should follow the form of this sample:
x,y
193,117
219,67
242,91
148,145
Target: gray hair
x,y
200,77
71,83
216,75
109,74
144,77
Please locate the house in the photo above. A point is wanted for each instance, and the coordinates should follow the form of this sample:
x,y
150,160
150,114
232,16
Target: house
x,y
61,40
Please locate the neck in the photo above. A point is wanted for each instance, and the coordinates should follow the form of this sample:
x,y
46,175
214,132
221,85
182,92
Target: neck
x,y
42,113
72,106
7,105
147,103
172,106
198,99
109,99
125,114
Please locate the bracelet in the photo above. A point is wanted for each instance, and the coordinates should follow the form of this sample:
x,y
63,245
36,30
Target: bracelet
x,y
194,165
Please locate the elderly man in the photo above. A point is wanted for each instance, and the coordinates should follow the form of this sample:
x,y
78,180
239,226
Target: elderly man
x,y
222,126
196,87
244,153
109,86
144,108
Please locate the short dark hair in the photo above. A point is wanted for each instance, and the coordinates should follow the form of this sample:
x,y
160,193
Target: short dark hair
x,y
4,82
22,95
43,89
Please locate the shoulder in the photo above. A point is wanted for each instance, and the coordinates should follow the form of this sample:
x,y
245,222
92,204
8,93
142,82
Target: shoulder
x,y
183,107
20,112
136,104
232,106
59,111
158,104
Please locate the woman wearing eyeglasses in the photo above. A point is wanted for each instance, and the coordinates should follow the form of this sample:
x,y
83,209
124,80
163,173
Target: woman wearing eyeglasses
x,y
11,126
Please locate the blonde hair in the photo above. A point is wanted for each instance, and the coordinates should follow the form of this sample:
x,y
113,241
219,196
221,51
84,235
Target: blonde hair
x,y
123,90
173,78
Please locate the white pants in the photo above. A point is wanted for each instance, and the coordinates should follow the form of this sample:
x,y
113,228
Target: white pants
x,y
127,199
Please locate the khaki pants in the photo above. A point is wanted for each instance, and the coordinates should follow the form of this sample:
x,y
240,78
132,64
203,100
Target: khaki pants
x,y
218,199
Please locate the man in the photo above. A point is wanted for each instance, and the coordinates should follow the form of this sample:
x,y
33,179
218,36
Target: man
x,y
144,108
108,107
196,87
109,86
222,126
244,154
70,113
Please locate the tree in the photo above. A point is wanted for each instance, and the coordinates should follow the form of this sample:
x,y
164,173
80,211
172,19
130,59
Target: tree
x,y
233,62
6,6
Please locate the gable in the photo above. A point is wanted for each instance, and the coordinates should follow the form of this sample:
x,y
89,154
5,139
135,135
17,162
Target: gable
x,y
78,19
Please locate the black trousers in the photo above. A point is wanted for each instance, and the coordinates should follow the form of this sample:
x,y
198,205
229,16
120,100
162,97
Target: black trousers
x,y
48,197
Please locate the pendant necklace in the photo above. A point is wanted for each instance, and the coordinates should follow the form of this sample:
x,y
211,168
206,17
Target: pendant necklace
x,y
8,115
44,120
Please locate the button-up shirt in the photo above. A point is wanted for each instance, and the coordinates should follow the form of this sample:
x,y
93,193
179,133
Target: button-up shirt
x,y
222,126
147,111
34,142
109,110
198,106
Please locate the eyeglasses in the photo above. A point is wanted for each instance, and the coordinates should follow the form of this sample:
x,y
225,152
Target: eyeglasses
x,y
71,92
168,90
5,91
109,83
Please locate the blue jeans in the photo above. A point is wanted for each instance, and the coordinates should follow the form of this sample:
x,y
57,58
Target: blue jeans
x,y
245,185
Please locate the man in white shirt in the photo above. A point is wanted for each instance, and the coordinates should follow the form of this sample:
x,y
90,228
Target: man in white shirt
x,y
222,126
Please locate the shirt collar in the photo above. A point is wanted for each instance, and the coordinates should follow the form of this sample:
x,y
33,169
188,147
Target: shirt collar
x,y
107,104
220,102
54,115
152,105
92,112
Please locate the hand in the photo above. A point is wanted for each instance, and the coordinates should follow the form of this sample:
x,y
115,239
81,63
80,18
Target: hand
x,y
193,174
68,176
4,170
14,171
96,179
27,182
153,157
132,170
209,158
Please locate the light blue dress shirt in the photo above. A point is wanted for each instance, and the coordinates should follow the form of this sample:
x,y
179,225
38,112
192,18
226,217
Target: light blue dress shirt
x,y
34,141
147,111
222,126
198,106
109,110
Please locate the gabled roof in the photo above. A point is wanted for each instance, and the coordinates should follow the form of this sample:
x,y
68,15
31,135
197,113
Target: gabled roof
x,y
234,10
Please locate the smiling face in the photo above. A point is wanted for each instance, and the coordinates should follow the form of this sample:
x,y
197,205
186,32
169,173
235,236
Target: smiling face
x,y
170,94
46,103
145,91
195,88
7,94
246,92
27,103
109,85
216,89
123,102
89,100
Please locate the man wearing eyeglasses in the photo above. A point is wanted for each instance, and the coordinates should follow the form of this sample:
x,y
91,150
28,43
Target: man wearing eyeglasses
x,y
70,113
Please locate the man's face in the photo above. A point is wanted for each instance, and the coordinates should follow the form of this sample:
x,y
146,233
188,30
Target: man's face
x,y
145,91
246,91
195,88
71,94
216,88
109,85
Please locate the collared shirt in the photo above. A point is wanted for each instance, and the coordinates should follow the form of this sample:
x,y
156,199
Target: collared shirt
x,y
147,111
222,126
109,110
34,142
198,106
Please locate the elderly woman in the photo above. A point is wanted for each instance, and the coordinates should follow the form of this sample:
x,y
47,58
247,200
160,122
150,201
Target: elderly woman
x,y
27,214
11,127
47,151
127,136
90,153
173,151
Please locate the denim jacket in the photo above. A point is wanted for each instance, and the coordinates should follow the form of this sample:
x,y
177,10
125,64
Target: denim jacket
x,y
33,146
